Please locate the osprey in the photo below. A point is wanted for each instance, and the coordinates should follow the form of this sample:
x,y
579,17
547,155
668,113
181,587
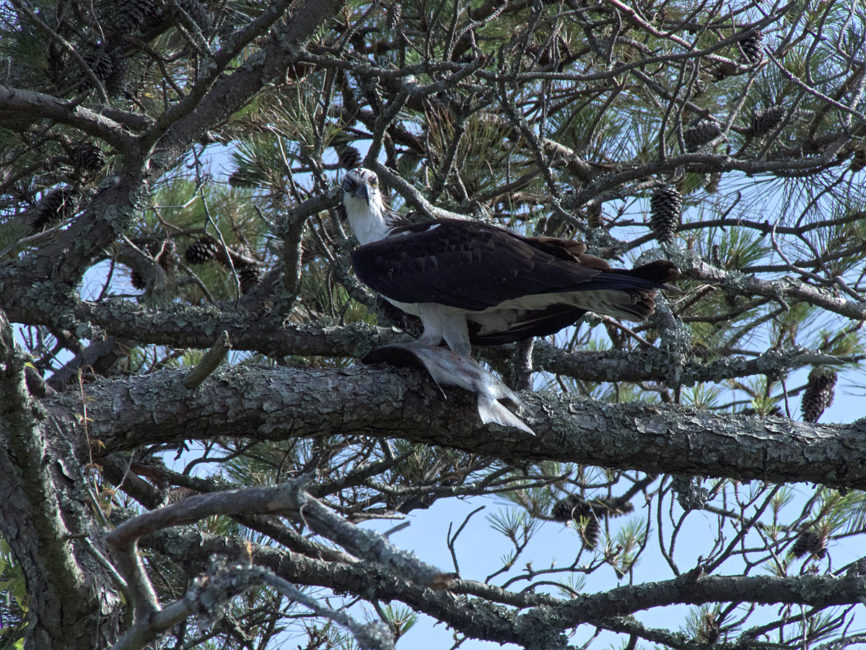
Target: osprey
x,y
475,284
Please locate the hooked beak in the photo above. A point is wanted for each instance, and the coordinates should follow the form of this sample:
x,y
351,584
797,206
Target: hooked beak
x,y
361,192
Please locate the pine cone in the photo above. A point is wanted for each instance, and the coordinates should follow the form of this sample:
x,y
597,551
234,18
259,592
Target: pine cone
x,y
197,11
591,532
151,9
752,47
765,121
86,157
201,250
249,275
58,205
100,63
701,133
571,507
575,508
56,60
350,157
666,205
809,541
107,66
819,393
393,15
126,17
690,496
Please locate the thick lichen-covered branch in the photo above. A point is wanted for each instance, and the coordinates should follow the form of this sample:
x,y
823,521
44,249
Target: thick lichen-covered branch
x,y
277,403
34,507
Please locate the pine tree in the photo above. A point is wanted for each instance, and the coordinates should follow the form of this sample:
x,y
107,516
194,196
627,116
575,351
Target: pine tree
x,y
191,415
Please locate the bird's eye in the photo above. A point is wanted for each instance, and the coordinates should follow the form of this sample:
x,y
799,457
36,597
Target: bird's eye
x,y
374,182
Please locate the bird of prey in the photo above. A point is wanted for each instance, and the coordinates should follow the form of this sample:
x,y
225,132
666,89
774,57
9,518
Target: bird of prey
x,y
475,284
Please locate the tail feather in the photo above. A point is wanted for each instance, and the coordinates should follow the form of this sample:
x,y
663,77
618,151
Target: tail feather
x,y
643,302
636,311
660,271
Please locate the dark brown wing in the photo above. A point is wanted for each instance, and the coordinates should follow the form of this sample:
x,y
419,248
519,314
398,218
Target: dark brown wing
x,y
473,266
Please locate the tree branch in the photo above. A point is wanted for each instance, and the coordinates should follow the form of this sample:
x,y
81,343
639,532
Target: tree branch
x,y
34,105
195,327
39,488
783,289
278,403
484,620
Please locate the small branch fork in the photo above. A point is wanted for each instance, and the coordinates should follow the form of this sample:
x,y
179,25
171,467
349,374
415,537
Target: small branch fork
x,y
211,592
209,362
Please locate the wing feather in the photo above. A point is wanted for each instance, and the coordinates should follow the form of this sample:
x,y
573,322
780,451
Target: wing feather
x,y
473,266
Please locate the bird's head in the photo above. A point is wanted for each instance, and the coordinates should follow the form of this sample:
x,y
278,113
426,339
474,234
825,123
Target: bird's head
x,y
365,205
360,186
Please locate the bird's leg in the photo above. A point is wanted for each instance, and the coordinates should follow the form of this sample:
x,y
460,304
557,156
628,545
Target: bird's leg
x,y
440,322
456,335
431,319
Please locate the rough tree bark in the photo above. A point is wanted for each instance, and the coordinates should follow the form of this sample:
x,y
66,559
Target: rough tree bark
x,y
556,119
